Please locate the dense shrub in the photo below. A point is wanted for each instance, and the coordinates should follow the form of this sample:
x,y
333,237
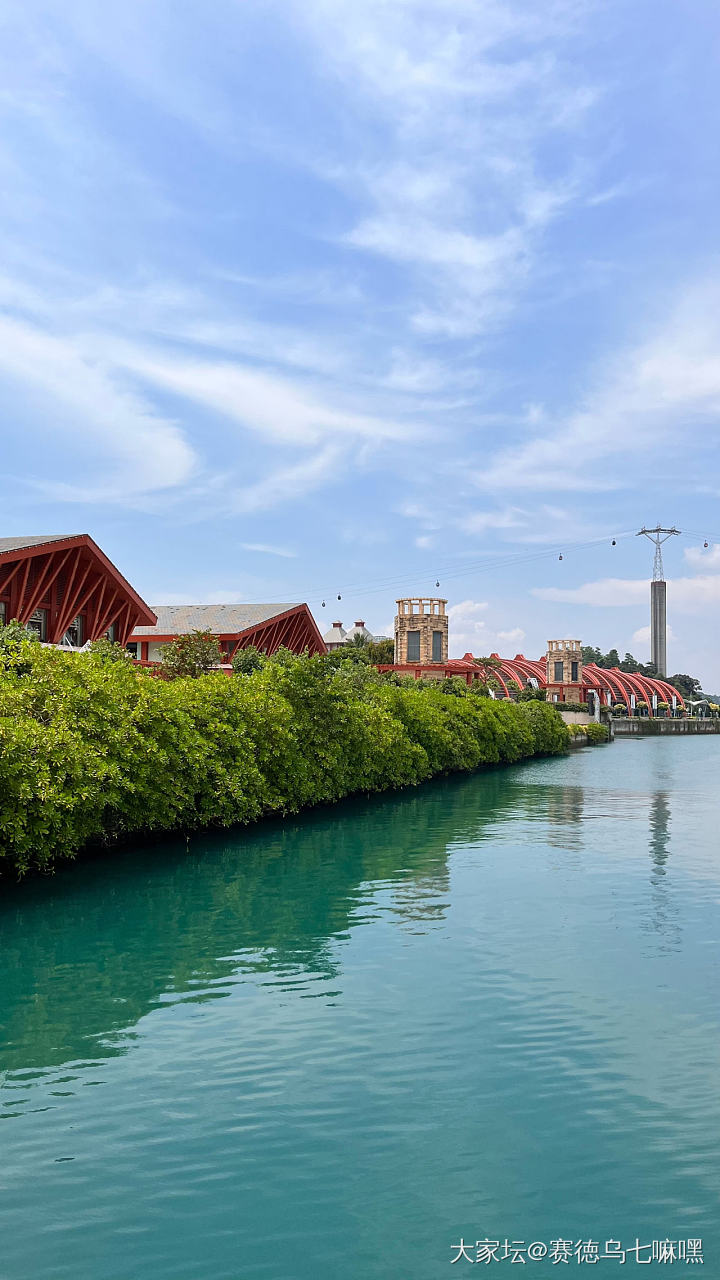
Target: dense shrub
x,y
93,749
193,654
592,733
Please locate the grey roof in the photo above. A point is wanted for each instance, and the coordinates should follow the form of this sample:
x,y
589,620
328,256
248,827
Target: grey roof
x,y
221,619
34,540
358,629
336,634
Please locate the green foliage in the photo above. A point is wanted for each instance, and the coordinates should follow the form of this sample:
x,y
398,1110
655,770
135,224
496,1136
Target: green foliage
x,y
529,694
13,636
192,655
93,750
381,650
628,664
687,686
593,733
109,651
349,653
245,661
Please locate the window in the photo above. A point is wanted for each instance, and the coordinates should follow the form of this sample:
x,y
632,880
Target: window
x,y
437,646
38,623
573,671
2,613
110,634
74,634
132,649
558,672
413,646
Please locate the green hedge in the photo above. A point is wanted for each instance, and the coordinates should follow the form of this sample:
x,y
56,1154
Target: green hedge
x,y
94,750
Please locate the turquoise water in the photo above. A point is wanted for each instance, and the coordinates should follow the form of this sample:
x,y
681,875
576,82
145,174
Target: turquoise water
x,y
485,1008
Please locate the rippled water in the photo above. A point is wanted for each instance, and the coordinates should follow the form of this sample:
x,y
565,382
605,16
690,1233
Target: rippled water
x,y
331,1048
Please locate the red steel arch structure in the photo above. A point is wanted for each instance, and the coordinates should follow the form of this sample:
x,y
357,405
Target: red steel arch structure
x,y
66,590
610,685
624,685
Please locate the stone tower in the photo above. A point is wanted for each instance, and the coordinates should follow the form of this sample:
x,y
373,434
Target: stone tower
x,y
421,630
564,669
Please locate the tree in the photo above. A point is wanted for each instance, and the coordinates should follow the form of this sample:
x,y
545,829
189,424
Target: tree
x,y
686,685
192,655
12,635
381,650
248,660
109,651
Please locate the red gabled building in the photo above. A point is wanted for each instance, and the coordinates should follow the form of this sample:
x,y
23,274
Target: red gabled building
x,y
64,588
267,627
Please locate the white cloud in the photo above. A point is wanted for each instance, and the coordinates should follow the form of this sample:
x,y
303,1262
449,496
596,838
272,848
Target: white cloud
x,y
512,637
269,404
289,483
641,637
470,632
467,95
641,412
687,595
263,549
135,450
705,559
480,521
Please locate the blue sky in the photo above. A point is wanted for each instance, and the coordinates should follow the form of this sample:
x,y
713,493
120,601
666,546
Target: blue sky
x,y
308,297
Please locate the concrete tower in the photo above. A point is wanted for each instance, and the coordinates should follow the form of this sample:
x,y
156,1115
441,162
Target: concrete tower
x,y
658,625
421,630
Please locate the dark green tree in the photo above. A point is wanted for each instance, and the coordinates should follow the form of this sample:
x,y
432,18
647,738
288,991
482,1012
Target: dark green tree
x,y
245,661
381,650
686,685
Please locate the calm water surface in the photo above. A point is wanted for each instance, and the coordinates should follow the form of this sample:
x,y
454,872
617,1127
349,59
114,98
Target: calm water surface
x,y
329,1049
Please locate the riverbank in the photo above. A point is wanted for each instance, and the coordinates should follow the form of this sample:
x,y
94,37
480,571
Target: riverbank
x,y
94,751
646,726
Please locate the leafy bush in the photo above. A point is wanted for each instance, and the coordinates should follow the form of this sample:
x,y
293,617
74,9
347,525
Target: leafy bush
x,y
192,655
245,661
109,650
593,733
12,635
94,750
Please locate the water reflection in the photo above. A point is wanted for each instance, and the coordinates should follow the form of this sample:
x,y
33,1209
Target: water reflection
x,y
391,1023
88,954
662,915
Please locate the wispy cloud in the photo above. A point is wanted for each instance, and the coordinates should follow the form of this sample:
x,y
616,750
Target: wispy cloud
x,y
273,406
133,449
464,121
263,549
288,484
644,405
